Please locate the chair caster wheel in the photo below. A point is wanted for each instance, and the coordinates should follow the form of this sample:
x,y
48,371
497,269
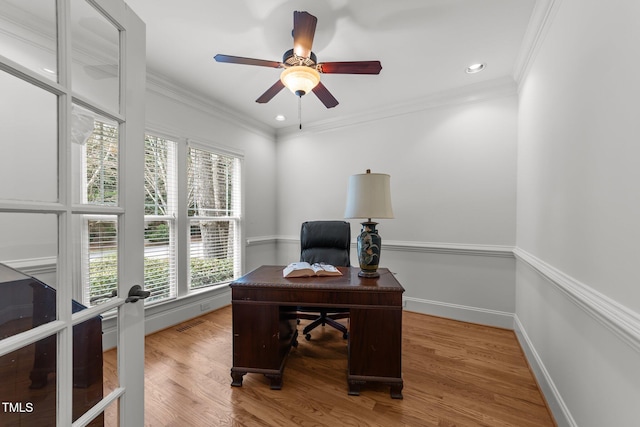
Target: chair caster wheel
x,y
307,337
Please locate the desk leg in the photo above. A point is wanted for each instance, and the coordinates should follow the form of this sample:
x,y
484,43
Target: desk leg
x,y
275,380
396,391
236,378
354,387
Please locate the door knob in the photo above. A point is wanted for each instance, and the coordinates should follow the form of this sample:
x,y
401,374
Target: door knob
x,y
136,292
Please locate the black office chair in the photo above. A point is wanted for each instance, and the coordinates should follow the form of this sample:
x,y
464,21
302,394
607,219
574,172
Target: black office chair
x,y
326,242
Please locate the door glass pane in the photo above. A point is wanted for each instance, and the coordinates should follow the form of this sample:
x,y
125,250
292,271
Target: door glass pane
x,y
95,153
100,252
95,56
28,386
88,369
28,248
25,302
110,375
29,135
28,34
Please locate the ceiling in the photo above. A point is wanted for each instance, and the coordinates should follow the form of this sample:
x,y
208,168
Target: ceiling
x,y
424,47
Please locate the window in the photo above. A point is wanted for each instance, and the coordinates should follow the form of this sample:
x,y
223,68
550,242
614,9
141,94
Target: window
x,y
214,217
160,219
210,213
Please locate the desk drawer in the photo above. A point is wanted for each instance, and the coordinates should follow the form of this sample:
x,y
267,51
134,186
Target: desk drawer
x,y
318,297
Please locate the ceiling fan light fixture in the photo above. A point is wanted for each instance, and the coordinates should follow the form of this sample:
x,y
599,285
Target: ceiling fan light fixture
x,y
300,79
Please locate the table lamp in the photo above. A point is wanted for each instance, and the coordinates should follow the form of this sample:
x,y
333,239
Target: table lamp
x,y
369,196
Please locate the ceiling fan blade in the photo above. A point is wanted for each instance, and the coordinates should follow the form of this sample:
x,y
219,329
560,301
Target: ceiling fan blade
x,y
350,67
247,61
325,96
270,93
304,28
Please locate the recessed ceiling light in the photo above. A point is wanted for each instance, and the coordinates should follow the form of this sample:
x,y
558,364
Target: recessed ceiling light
x,y
280,118
475,68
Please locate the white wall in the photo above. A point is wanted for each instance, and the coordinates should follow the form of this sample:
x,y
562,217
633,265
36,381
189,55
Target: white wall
x,y
453,169
578,299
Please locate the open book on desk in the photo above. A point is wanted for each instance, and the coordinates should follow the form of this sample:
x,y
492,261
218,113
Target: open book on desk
x,y
304,269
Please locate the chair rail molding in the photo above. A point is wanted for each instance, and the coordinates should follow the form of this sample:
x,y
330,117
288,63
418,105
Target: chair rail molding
x,y
622,321
261,240
450,248
425,247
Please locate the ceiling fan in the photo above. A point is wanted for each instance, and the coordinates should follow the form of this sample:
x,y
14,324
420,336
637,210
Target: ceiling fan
x,y
302,70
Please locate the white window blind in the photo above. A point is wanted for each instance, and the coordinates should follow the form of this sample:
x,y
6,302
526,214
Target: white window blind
x,y
214,217
160,219
100,258
98,137
101,164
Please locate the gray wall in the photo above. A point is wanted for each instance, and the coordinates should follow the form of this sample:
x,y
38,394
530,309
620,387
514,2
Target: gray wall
x,y
577,293
453,184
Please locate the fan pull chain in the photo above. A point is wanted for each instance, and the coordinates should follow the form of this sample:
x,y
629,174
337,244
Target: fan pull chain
x,y
300,111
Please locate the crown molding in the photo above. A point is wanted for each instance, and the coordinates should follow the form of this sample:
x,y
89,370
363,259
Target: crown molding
x,y
490,89
161,85
544,11
622,321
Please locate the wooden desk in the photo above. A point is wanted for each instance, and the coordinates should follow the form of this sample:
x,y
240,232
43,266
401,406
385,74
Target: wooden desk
x,y
264,323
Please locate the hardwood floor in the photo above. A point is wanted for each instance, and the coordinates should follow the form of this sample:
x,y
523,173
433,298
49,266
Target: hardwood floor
x,y
455,374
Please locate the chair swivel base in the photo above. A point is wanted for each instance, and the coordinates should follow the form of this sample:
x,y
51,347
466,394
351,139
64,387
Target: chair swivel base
x,y
323,319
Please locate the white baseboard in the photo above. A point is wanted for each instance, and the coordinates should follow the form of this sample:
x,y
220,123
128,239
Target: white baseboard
x,y
555,402
463,313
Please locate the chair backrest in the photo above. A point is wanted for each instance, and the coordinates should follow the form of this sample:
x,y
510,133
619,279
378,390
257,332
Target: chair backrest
x,y
326,241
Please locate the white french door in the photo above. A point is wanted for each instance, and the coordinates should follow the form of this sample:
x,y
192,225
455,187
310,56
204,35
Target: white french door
x,y
66,65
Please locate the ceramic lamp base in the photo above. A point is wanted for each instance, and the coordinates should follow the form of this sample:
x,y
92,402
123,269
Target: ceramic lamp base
x,y
369,244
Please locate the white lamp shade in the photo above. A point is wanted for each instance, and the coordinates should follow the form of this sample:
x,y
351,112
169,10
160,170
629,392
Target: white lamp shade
x,y
369,196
